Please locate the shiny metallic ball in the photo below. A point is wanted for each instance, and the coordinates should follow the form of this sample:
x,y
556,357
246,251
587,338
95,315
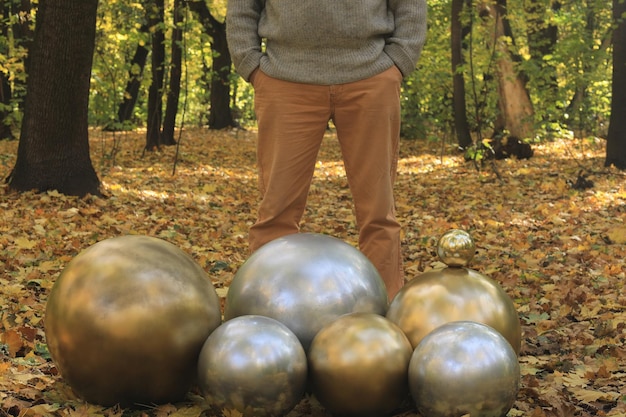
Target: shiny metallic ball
x,y
126,319
456,248
305,281
358,365
454,294
253,364
464,368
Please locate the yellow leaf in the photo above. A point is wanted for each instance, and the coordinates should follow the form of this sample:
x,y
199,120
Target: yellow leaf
x,y
221,292
24,243
41,410
232,413
193,411
47,266
589,396
574,380
618,235
87,410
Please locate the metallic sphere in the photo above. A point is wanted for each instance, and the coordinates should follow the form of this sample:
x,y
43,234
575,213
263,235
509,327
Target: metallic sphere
x,y
454,294
126,319
358,365
464,368
255,365
456,248
305,281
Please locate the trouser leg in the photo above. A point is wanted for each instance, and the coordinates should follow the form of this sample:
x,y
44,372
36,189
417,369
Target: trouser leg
x,y
367,118
291,121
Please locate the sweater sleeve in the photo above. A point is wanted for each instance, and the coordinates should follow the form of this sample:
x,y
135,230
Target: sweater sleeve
x,y
405,45
244,42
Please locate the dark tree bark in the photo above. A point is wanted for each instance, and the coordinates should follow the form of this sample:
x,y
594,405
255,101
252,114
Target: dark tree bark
x,y
173,93
220,114
616,139
155,93
458,32
5,108
131,93
53,153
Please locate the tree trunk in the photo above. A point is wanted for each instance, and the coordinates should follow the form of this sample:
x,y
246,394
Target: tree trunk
x,y
5,108
173,93
155,93
220,115
616,139
513,98
53,153
135,73
461,126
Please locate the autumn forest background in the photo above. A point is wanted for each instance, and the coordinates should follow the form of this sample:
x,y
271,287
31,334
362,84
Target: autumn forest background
x,y
126,117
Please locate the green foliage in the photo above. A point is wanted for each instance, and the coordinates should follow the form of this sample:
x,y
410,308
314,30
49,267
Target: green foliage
x,y
119,33
243,100
13,54
479,151
581,62
427,92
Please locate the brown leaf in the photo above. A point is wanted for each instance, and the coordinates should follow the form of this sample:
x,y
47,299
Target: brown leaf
x,y
13,340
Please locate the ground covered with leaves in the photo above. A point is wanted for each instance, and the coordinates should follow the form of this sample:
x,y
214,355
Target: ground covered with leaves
x,y
551,230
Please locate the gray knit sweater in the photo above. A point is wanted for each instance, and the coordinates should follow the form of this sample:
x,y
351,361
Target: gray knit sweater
x,y
325,41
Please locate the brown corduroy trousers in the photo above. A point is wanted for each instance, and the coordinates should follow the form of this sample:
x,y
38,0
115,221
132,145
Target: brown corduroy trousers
x,y
292,119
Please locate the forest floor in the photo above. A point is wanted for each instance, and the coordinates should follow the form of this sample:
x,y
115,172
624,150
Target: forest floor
x,y
557,251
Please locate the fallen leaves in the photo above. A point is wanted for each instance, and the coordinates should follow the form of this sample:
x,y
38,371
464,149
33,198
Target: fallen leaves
x,y
557,251
617,235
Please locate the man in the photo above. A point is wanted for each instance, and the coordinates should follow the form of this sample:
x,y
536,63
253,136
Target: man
x,y
314,61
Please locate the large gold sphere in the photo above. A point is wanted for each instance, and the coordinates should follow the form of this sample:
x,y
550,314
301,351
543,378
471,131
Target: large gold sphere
x,y
358,365
126,319
464,368
456,248
305,281
255,365
438,297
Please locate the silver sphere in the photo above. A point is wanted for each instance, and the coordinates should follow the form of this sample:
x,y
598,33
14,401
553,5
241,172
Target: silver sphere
x,y
305,281
358,365
126,319
454,294
456,248
464,368
255,365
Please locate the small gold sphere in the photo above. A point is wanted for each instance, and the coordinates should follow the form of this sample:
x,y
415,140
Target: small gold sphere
x,y
358,366
254,365
456,248
464,368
